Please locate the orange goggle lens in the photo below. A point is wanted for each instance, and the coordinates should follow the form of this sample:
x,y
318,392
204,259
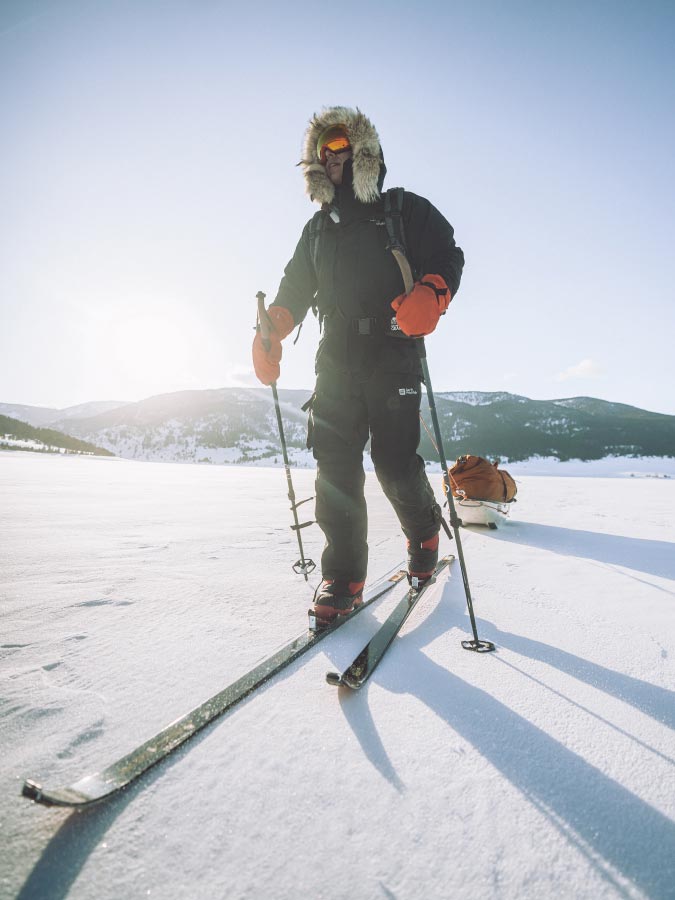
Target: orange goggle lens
x,y
336,145
335,140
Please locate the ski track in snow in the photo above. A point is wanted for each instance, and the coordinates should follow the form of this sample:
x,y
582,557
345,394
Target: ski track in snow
x,y
131,592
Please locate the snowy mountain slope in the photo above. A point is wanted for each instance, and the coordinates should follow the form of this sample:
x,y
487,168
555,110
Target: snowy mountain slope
x,y
481,398
15,434
238,425
44,415
546,769
33,415
593,406
228,425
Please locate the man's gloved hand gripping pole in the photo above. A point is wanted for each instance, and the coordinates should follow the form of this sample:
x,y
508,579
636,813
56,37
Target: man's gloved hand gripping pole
x,y
419,309
274,324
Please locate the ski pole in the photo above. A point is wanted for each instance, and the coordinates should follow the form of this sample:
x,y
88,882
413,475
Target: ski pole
x,y
304,565
476,644
397,247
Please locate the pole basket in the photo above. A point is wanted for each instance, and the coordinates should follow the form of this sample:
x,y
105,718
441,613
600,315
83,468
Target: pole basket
x,y
304,567
478,646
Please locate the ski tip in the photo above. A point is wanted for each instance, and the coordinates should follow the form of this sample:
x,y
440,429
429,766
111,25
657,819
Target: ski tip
x,y
32,790
343,681
35,792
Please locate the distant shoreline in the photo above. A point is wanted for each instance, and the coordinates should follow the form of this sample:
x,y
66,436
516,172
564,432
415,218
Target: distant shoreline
x,y
655,467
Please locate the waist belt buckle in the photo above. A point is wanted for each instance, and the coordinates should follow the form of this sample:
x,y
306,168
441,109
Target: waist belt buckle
x,y
365,325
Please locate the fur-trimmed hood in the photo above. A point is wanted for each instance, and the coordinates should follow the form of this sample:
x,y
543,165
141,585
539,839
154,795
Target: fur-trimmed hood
x,y
367,157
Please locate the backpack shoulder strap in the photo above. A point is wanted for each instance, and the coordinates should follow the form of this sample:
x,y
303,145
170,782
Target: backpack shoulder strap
x,y
393,218
316,226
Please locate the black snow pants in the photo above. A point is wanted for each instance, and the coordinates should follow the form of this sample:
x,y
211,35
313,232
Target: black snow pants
x,y
344,413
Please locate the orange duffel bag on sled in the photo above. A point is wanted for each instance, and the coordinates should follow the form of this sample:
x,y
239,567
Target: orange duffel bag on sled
x,y
482,489
474,478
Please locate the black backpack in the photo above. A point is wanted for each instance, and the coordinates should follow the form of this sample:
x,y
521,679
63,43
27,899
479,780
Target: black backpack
x,y
393,219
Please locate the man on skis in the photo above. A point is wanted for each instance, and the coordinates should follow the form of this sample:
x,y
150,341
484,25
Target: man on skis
x,y
368,370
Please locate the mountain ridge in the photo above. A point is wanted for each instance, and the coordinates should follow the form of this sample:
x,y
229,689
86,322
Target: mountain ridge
x,y
223,425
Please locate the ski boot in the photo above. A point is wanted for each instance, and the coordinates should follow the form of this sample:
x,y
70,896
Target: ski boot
x,y
336,598
422,559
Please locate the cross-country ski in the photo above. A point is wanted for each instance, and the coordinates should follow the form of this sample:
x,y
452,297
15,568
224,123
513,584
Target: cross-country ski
x,y
99,785
359,671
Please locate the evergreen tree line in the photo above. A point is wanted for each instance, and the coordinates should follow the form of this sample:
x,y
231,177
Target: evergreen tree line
x,y
25,432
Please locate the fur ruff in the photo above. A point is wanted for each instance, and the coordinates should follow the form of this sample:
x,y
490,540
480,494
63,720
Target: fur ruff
x,y
366,155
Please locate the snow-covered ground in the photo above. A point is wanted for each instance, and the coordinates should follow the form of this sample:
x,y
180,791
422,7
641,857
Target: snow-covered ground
x,y
608,467
131,591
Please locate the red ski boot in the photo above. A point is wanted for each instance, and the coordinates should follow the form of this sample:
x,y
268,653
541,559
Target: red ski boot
x,y
422,559
336,598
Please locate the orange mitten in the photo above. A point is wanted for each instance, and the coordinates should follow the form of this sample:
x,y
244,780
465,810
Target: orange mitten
x,y
418,312
266,361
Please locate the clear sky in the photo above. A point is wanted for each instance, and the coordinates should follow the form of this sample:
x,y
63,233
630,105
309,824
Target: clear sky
x,y
148,186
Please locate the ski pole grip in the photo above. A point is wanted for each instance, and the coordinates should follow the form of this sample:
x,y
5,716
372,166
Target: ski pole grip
x,y
263,320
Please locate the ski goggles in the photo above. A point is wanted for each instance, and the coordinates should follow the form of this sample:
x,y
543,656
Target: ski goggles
x,y
334,139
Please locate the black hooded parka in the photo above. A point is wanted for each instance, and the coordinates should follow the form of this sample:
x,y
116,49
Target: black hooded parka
x,y
368,382
342,267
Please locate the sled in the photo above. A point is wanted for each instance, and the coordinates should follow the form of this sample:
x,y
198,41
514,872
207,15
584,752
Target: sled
x,y
481,512
483,492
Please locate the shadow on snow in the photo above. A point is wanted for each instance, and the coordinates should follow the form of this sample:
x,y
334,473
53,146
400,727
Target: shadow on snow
x,y
652,557
600,817
595,813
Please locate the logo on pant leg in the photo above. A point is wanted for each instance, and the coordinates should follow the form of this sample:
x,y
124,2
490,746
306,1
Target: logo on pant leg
x,y
404,391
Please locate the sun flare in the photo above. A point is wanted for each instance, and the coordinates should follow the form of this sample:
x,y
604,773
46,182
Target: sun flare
x,y
150,349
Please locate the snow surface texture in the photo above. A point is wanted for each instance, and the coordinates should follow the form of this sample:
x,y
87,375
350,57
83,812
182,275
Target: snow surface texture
x,y
133,591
